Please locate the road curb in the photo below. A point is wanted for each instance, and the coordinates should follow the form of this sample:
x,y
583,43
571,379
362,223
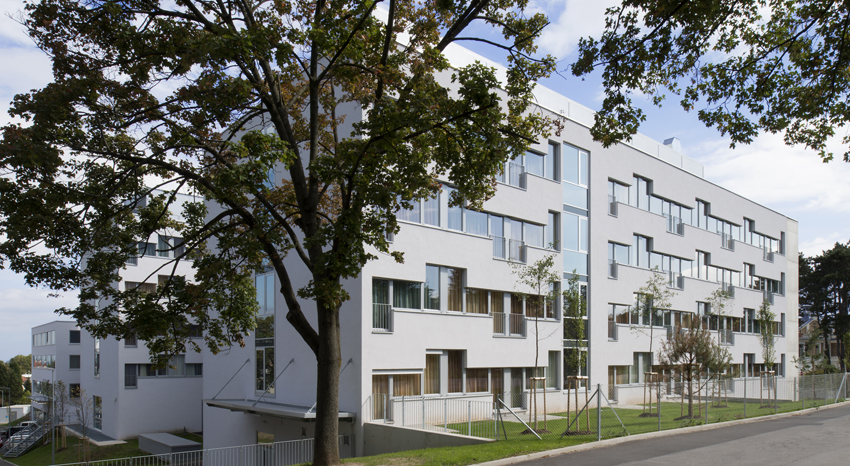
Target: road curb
x,y
649,435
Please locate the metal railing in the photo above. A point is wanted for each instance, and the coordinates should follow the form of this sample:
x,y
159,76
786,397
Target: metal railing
x,y
516,324
768,296
508,249
612,205
472,414
727,337
674,224
727,241
612,331
382,317
499,326
676,280
728,288
768,254
516,175
277,454
612,268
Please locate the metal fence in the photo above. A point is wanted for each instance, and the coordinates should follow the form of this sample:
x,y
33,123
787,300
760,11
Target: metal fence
x,y
271,454
605,411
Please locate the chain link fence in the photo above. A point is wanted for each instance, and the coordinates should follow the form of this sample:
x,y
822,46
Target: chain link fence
x,y
606,411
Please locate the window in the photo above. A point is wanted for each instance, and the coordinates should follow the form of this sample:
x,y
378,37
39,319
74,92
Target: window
x,y
130,342
265,332
476,301
432,374
575,175
130,376
147,249
432,287
552,157
74,390
552,370
535,163
74,361
534,235
477,380
642,364
575,232
97,357
406,294
147,288
455,212
455,360
411,214
74,337
617,192
196,369
97,411
406,384
45,338
431,211
551,237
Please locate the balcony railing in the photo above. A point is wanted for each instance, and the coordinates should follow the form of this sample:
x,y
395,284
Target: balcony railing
x,y
768,296
612,268
612,331
508,249
675,280
727,337
729,289
768,254
673,330
727,241
516,324
612,205
382,318
499,323
675,224
516,175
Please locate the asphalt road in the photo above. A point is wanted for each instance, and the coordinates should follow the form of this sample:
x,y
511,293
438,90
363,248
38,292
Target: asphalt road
x,y
816,438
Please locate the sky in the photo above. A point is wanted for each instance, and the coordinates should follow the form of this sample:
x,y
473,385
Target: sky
x,y
790,180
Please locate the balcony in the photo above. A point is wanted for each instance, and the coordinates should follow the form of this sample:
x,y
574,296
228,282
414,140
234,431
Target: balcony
x,y
612,268
612,205
505,325
727,241
768,254
675,225
516,325
382,318
768,296
675,280
729,289
508,249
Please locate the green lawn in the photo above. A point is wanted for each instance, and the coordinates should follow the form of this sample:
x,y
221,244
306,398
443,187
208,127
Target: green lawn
x,y
42,455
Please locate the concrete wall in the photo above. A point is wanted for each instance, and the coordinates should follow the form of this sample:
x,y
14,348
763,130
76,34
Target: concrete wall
x,y
386,438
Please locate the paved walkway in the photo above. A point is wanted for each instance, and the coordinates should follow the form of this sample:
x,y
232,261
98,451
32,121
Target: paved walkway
x,y
813,438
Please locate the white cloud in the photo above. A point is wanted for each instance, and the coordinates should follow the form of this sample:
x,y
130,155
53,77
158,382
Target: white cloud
x,y
817,246
772,173
23,308
570,21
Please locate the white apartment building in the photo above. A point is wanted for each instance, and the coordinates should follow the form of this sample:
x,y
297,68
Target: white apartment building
x,y
448,321
55,356
129,395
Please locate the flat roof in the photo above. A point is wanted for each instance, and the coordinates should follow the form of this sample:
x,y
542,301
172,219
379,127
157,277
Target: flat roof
x,y
268,408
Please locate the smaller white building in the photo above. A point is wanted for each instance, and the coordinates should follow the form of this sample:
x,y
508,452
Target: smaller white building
x,y
55,357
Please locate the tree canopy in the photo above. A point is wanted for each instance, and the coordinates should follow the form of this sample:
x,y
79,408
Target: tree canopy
x,y
825,292
750,66
302,128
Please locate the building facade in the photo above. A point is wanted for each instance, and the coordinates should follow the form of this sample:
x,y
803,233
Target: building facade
x,y
55,357
450,322
126,394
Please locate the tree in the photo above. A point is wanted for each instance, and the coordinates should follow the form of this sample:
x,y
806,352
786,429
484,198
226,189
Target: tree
x,y
354,116
688,354
825,292
16,384
767,339
719,301
536,285
754,66
575,313
24,363
653,298
83,407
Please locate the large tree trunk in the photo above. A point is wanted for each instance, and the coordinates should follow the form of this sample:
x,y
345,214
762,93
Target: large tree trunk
x,y
326,446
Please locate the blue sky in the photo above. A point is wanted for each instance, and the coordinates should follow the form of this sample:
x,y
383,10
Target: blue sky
x,y
791,180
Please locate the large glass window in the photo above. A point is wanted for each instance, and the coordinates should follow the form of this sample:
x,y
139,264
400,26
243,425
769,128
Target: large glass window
x,y
476,301
410,215
455,359
476,222
432,374
74,361
476,380
535,163
406,294
455,295
431,211
550,239
552,161
97,412
265,332
74,337
455,212
432,287
534,235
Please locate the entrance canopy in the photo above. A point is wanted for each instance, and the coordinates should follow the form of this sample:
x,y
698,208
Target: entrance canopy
x,y
266,408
